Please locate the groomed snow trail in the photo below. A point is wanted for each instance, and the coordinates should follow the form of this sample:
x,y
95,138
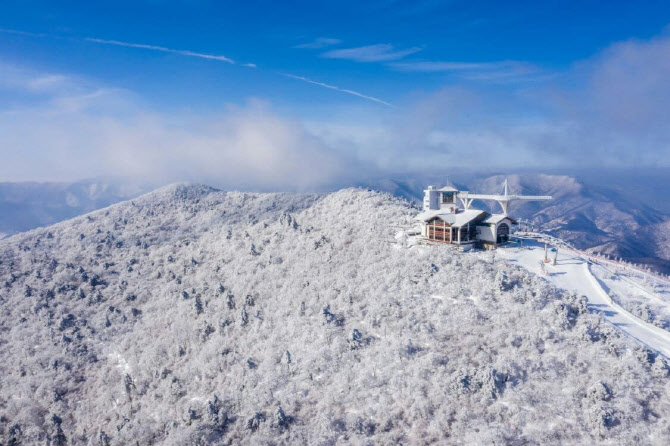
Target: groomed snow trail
x,y
573,273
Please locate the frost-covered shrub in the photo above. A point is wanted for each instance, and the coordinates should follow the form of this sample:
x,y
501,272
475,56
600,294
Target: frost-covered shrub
x,y
190,316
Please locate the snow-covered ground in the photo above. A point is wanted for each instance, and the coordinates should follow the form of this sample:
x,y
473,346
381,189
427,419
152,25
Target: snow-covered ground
x,y
644,295
574,272
195,316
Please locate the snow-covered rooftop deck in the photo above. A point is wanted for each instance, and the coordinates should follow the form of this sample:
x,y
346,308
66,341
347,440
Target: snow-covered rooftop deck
x,y
497,218
459,219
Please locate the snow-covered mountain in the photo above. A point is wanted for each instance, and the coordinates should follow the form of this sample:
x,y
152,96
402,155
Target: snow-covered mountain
x,y
608,217
589,215
595,218
28,205
193,316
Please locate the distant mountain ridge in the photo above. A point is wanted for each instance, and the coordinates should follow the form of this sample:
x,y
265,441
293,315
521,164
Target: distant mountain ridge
x,y
589,216
28,205
596,219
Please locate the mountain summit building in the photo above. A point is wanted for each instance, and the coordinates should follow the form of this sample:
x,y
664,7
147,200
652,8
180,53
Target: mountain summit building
x,y
448,218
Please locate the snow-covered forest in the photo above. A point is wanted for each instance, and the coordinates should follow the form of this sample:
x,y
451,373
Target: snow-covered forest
x,y
193,316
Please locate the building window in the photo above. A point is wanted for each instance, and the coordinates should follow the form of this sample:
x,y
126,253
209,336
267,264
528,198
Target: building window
x,y
447,197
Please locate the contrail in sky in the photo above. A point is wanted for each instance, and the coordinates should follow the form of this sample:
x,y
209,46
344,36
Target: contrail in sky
x,y
343,90
21,33
225,59
216,57
161,48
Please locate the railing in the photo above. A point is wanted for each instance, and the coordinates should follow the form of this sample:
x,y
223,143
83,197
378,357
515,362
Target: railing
x,y
551,240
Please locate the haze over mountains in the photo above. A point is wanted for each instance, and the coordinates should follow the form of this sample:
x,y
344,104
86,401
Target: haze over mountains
x,y
620,213
623,216
192,316
28,205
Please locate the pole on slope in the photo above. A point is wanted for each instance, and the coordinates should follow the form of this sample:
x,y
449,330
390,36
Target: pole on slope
x,y
546,259
555,256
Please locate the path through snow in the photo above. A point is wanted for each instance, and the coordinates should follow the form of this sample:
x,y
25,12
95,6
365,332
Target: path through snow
x,y
574,273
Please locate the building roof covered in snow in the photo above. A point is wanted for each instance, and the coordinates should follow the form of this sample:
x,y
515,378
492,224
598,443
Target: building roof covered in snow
x,y
497,218
459,219
448,189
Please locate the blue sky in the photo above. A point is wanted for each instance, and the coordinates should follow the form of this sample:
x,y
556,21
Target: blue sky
x,y
355,89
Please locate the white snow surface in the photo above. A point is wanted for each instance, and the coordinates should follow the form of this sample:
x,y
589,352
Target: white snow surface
x,y
463,217
574,272
193,316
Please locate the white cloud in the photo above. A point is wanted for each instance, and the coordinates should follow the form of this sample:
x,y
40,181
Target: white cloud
x,y
439,66
321,42
242,148
20,33
371,53
13,77
97,132
47,82
608,110
502,71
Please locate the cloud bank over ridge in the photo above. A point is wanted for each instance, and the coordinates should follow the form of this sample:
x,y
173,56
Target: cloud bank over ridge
x,y
607,110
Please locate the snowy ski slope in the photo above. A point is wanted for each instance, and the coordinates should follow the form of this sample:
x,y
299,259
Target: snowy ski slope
x,y
574,272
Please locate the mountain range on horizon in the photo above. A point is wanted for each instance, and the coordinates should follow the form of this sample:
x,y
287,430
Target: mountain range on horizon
x,y
589,215
621,218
